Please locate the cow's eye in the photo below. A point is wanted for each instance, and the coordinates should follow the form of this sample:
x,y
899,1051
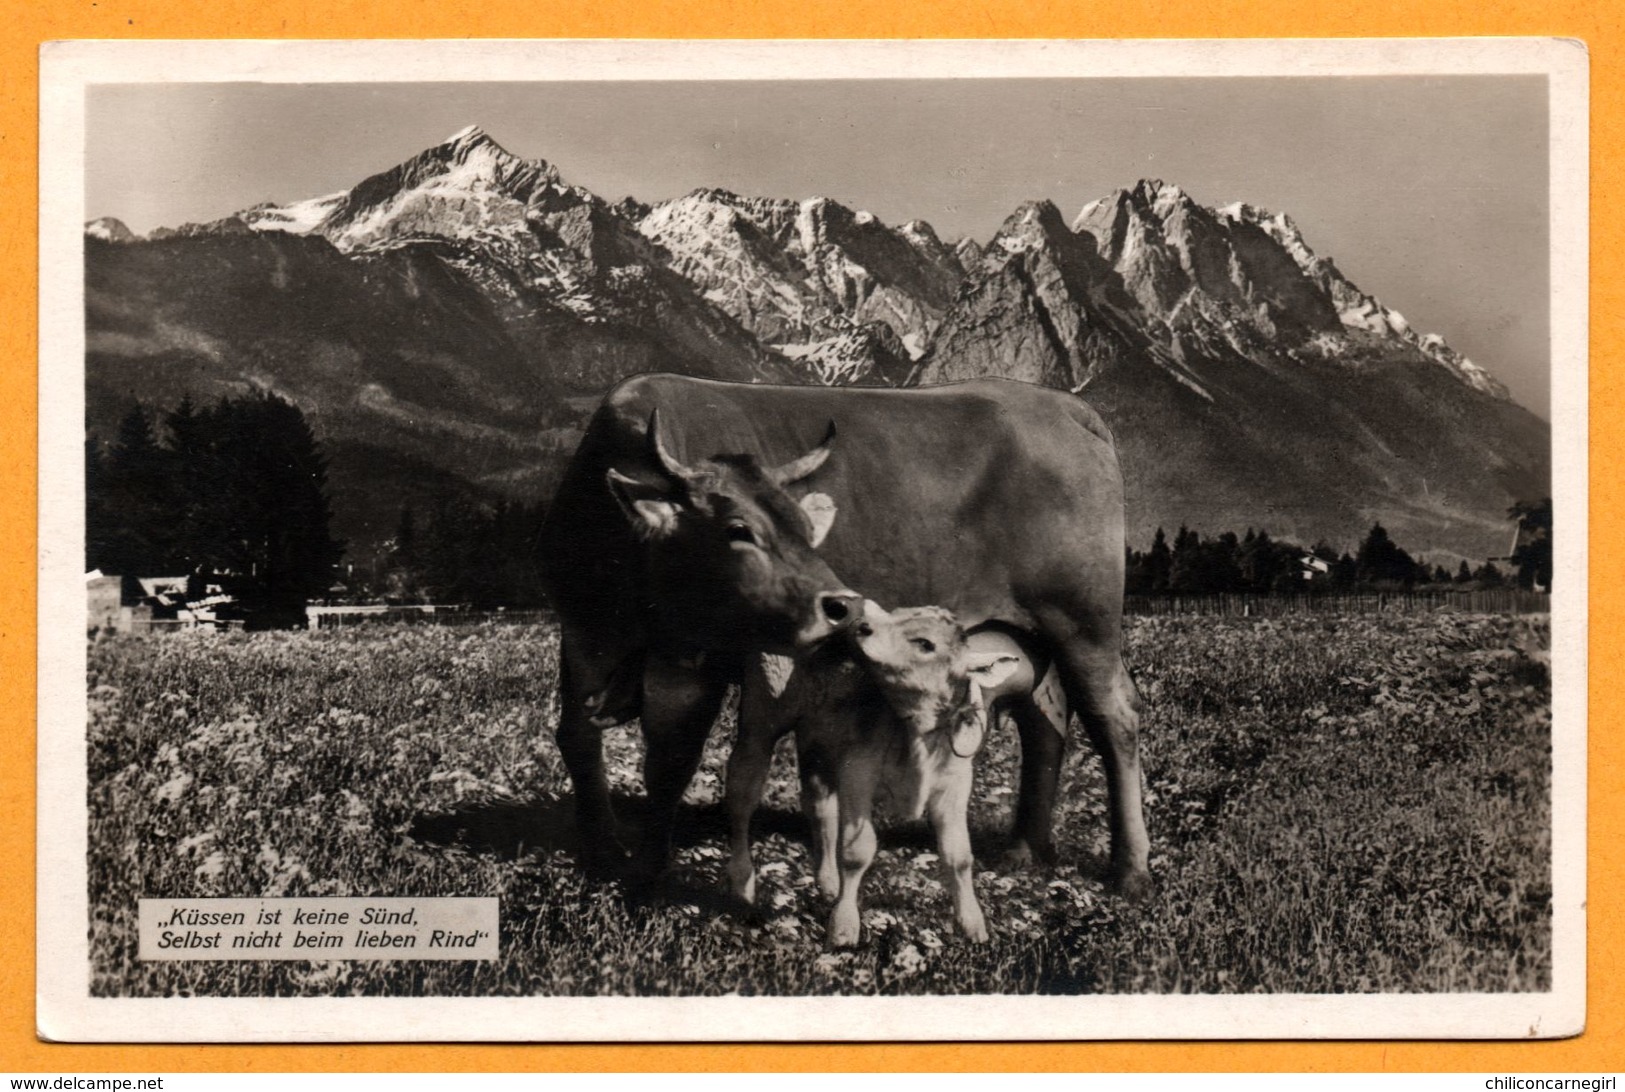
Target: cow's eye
x,y
923,645
739,532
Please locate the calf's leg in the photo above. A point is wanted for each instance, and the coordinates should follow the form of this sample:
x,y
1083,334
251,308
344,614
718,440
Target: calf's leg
x,y
822,809
947,810
858,844
748,768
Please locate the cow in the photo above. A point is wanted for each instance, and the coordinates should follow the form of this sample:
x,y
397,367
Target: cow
x,y
899,711
669,565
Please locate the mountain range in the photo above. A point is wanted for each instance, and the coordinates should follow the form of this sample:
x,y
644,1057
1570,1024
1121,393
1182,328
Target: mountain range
x,y
448,325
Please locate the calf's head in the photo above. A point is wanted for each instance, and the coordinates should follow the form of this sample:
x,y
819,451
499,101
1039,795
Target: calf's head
x,y
932,679
730,556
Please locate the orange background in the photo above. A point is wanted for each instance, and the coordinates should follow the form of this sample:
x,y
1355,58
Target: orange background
x,y
1600,23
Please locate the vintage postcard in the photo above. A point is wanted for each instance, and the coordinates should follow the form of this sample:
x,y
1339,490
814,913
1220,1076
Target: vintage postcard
x,y
638,541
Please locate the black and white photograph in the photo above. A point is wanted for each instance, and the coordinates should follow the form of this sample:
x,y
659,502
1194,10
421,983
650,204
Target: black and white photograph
x,y
664,541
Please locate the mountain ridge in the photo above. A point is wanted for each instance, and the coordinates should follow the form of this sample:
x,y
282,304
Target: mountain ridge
x,y
467,296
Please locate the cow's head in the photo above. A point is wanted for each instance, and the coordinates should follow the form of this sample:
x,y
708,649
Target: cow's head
x,y
730,555
930,677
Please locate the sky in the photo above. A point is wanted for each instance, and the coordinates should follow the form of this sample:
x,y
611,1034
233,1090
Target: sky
x,y
1430,193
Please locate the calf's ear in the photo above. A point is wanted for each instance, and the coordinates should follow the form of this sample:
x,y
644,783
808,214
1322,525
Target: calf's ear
x,y
820,509
650,509
989,669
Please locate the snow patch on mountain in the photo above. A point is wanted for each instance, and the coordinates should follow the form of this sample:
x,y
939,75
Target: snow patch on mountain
x,y
298,218
800,273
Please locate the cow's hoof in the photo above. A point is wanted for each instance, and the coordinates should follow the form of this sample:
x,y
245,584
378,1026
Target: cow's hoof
x,y
1132,885
745,892
1022,855
603,861
644,871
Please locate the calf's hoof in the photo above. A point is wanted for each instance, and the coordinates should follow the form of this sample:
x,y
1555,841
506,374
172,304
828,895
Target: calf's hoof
x,y
975,929
844,930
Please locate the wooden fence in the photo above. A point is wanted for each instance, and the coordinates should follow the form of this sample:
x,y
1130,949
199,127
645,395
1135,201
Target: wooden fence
x,y
1500,601
325,617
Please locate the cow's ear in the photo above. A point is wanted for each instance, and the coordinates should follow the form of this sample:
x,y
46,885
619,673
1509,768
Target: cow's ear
x,y
989,669
650,509
820,509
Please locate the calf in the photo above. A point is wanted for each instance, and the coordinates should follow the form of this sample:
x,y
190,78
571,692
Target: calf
x,y
901,709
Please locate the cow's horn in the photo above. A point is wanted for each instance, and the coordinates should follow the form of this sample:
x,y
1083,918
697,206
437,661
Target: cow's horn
x,y
796,469
668,463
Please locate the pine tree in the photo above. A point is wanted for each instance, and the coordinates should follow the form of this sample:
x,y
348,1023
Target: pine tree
x,y
256,512
194,485
99,526
1381,561
1184,566
1158,564
279,492
131,495
1261,560
1345,572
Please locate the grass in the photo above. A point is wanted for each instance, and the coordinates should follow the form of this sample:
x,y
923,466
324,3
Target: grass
x,y
1336,804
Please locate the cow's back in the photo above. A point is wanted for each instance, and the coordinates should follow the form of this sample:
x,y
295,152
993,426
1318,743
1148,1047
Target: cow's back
x,y
993,498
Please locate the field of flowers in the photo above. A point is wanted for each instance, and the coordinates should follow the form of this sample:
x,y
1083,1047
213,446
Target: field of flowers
x,y
1336,804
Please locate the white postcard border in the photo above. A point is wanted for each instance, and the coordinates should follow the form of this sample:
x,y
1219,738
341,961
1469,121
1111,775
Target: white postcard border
x,y
65,1010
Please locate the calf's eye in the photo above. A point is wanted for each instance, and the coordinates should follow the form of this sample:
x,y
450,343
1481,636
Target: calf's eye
x,y
923,645
738,532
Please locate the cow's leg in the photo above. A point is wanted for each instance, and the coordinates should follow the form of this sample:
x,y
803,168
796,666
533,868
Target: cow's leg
x,y
581,745
1043,746
679,706
858,843
1101,691
947,811
748,767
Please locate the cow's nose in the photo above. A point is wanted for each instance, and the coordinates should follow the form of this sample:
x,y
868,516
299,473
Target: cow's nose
x,y
840,608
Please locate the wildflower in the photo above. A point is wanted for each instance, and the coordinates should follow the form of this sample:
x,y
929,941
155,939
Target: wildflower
x,y
908,961
173,789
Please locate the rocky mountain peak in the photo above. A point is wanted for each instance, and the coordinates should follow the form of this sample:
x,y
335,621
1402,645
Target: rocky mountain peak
x,y
1034,224
1162,199
820,218
459,187
110,229
968,253
921,231
468,136
1357,310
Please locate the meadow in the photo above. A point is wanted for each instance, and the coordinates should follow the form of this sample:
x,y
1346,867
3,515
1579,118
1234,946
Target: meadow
x,y
1337,803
